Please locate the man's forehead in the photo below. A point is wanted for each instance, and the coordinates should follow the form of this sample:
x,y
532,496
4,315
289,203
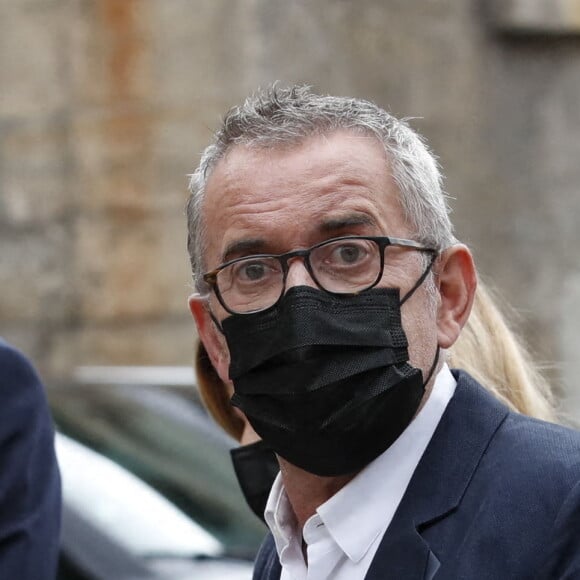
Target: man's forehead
x,y
326,146
326,183
325,159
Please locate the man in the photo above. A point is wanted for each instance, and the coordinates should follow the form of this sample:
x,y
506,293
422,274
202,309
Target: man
x,y
30,500
329,287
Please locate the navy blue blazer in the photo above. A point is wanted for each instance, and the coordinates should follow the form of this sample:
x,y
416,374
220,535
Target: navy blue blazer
x,y
496,496
30,496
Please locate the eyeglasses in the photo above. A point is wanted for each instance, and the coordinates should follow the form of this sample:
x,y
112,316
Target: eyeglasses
x,y
345,265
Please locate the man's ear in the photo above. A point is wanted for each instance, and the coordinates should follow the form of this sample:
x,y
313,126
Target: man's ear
x,y
456,282
212,338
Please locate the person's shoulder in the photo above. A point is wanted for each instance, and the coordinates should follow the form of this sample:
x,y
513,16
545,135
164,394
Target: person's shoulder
x,y
527,447
12,361
540,468
543,442
536,455
21,389
30,492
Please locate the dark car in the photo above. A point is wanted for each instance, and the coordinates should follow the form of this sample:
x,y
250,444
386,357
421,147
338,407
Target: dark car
x,y
149,489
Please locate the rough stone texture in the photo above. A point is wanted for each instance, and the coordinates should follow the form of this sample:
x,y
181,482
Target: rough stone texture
x,y
131,268
106,105
166,342
33,276
31,58
34,166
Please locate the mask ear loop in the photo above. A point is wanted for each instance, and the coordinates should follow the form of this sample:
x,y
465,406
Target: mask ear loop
x,y
216,322
420,280
433,366
408,295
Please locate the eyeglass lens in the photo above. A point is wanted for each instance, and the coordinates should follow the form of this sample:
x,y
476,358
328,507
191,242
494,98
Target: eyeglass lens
x,y
340,266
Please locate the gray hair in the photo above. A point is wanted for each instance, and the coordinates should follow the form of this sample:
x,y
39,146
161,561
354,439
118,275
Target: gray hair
x,y
278,116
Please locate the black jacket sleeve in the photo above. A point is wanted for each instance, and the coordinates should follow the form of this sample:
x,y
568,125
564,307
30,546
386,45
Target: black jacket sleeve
x,y
30,493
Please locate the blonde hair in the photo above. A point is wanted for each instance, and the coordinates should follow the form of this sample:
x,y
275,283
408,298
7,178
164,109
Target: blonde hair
x,y
492,352
216,395
487,348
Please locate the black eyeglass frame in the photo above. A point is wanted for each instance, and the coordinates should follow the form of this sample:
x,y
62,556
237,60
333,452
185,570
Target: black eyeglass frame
x,y
383,242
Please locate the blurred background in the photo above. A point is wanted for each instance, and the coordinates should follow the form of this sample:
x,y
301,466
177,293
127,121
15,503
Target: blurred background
x,y
105,106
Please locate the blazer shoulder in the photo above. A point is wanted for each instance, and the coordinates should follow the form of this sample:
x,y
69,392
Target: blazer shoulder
x,y
15,367
520,438
531,461
528,441
21,389
522,453
29,479
514,481
541,461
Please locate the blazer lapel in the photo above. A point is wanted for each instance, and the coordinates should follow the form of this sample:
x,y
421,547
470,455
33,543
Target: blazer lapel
x,y
439,482
405,555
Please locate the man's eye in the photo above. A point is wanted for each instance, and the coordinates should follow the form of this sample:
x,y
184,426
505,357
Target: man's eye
x,y
351,254
251,272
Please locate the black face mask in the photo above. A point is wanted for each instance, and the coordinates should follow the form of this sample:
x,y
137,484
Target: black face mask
x,y
324,379
256,468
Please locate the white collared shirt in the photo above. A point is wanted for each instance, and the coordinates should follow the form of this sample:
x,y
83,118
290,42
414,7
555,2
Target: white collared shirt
x,y
344,534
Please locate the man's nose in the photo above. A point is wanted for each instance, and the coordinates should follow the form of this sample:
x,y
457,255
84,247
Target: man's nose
x,y
298,274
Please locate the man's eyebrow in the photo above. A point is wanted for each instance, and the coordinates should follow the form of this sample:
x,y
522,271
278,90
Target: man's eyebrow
x,y
243,247
251,246
340,223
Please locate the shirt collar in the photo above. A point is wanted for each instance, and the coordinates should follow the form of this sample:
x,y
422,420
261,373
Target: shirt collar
x,y
382,483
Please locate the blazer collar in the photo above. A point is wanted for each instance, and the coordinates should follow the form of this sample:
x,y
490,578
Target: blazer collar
x,y
440,481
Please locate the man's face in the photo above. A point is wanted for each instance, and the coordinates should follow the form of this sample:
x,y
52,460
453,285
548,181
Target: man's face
x,y
276,200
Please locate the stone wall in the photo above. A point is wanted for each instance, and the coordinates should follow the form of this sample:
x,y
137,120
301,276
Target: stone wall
x,y
105,106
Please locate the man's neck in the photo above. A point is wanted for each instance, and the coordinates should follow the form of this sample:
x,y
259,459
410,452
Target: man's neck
x,y
306,491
